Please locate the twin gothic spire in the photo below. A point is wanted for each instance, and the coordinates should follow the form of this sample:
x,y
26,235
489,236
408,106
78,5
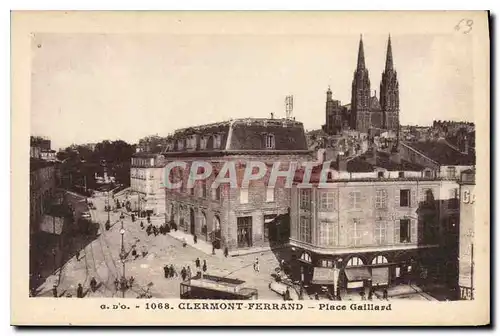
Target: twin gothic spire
x,y
389,63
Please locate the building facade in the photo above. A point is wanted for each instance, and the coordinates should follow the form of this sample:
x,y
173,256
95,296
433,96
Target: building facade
x,y
234,217
467,221
43,183
147,182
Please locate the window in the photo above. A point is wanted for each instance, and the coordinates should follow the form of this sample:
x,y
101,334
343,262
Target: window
x,y
355,199
380,233
401,174
404,231
203,142
305,199
270,141
327,263
327,235
305,229
451,172
270,194
216,193
204,189
243,195
453,202
380,174
404,198
379,260
355,261
381,199
180,144
306,257
244,234
327,201
354,233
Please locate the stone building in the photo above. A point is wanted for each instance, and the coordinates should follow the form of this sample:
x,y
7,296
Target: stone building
x,y
43,183
239,218
146,181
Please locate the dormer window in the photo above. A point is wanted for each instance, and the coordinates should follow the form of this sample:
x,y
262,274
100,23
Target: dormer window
x,y
380,174
203,142
191,142
270,143
180,144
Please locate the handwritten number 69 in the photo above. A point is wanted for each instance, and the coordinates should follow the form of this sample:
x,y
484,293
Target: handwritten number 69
x,y
465,25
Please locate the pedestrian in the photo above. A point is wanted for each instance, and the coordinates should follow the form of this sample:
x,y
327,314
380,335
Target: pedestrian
x,y
184,244
188,272
197,262
338,294
173,272
213,248
155,231
363,295
287,294
316,296
54,291
204,266
79,291
385,295
134,253
142,225
131,281
183,273
370,294
93,284
166,271
226,252
301,293
77,255
117,284
195,239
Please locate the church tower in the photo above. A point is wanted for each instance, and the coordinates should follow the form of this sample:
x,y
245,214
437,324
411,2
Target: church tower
x,y
389,93
333,114
360,96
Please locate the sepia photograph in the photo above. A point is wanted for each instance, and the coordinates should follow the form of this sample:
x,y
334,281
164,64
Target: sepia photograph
x,y
278,165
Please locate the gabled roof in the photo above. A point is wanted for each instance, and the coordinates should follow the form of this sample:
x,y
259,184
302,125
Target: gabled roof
x,y
443,153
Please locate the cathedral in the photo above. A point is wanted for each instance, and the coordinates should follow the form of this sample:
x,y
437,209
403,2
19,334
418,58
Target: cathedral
x,y
366,112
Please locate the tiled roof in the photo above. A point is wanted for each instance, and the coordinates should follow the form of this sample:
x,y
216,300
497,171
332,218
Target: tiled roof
x,y
443,153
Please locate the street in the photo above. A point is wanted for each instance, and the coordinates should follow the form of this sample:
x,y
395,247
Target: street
x,y
101,259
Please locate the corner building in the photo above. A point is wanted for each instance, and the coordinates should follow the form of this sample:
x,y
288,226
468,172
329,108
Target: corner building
x,y
236,218
375,223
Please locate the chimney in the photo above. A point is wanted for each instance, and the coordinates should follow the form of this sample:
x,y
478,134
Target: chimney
x,y
341,162
272,115
466,145
395,155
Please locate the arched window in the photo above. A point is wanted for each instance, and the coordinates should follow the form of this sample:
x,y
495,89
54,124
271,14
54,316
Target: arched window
x,y
306,257
355,261
379,260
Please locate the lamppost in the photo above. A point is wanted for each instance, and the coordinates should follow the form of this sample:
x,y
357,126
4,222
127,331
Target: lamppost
x,y
123,282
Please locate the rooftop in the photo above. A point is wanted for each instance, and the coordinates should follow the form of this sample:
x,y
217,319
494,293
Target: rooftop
x,y
443,153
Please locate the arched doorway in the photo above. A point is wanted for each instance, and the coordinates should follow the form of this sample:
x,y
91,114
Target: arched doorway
x,y
203,224
192,221
356,273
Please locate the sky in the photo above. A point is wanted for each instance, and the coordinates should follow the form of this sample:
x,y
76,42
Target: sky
x,y
92,87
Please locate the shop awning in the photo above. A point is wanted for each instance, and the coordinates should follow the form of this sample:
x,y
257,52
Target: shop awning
x,y
324,276
358,273
380,275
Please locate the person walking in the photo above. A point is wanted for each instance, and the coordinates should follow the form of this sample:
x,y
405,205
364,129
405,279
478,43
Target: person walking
x,y
173,272
117,284
256,266
287,294
79,291
183,273
197,262
54,291
226,252
188,272
204,266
